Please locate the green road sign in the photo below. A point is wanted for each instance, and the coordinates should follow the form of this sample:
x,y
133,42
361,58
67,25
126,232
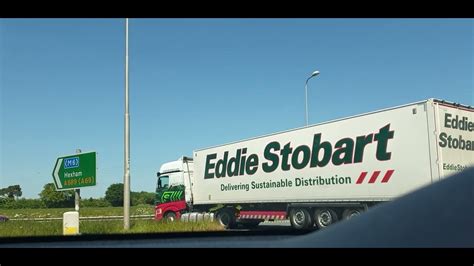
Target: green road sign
x,y
75,171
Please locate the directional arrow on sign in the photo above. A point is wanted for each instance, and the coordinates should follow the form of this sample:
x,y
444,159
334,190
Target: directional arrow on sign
x,y
59,163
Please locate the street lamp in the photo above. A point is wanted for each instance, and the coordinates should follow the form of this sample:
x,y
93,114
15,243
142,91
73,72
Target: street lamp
x,y
126,175
315,73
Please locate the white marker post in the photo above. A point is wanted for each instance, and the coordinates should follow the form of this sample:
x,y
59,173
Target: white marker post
x,y
71,223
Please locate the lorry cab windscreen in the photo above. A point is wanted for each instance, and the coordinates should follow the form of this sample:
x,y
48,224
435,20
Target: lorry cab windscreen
x,y
163,182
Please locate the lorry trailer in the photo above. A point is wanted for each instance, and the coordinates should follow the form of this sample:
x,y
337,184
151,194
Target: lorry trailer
x,y
319,174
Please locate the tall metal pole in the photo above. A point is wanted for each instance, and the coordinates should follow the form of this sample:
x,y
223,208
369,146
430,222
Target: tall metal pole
x,y
315,73
306,100
126,178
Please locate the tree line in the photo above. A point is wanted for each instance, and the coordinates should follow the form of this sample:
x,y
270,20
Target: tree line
x,y
11,192
50,198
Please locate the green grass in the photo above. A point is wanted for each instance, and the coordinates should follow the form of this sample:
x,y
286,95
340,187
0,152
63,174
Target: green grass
x,y
83,211
30,228
49,228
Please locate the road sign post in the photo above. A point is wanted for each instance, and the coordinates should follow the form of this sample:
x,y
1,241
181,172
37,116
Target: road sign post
x,y
77,191
75,171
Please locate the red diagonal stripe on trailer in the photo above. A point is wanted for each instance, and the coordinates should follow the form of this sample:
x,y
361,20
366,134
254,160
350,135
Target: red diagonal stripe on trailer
x,y
374,176
361,178
387,176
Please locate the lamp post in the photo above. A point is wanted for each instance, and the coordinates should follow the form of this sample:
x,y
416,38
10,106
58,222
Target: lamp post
x,y
315,73
126,176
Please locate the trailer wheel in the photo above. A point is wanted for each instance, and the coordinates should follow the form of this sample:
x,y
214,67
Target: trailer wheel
x,y
349,213
170,216
226,218
300,219
325,217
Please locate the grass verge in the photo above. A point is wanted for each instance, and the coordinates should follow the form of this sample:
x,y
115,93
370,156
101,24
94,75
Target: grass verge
x,y
83,212
48,228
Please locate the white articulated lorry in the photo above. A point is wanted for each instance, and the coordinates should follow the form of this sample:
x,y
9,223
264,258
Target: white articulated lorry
x,y
319,174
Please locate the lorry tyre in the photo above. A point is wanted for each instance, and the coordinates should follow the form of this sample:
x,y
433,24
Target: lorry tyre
x,y
226,218
300,219
170,216
325,217
349,213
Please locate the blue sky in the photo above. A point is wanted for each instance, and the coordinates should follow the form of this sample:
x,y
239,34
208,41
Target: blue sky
x,y
196,83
